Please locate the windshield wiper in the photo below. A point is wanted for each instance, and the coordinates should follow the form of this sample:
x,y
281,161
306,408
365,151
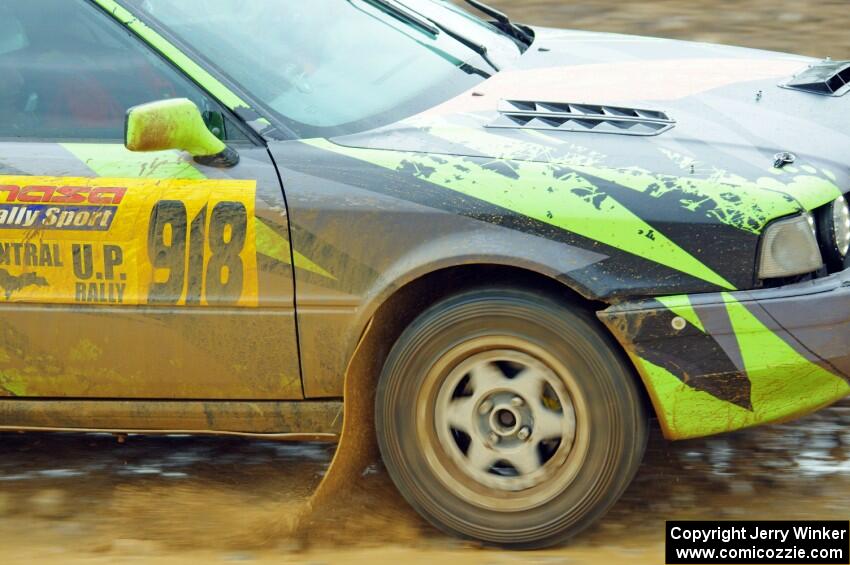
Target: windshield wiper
x,y
411,17
503,22
405,15
460,38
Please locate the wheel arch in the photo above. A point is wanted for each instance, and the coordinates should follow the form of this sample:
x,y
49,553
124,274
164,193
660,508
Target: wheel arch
x,y
398,305
358,447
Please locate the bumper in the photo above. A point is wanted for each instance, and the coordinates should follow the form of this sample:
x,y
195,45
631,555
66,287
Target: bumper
x,y
714,363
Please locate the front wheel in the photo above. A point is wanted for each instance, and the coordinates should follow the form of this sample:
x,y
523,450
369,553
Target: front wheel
x,y
509,418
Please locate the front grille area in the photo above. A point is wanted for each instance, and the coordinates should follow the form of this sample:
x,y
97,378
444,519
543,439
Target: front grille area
x,y
585,118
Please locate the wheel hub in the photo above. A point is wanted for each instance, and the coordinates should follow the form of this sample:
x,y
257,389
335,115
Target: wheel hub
x,y
506,421
499,416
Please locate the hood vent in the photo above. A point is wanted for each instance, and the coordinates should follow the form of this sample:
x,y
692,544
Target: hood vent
x,y
828,78
585,118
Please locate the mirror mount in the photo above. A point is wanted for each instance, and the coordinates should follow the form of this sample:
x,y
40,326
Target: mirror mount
x,y
225,159
176,124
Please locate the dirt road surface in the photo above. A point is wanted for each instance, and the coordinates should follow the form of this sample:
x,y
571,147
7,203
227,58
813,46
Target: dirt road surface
x,y
88,499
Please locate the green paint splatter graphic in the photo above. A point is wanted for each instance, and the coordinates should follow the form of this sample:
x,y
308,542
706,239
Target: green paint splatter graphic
x,y
784,384
544,192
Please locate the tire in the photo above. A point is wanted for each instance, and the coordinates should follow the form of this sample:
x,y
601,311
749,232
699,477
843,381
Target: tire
x,y
509,418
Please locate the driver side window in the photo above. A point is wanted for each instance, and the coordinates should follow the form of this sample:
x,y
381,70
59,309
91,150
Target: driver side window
x,y
70,73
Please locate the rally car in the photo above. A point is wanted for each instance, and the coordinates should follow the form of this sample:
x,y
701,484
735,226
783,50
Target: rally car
x,y
509,245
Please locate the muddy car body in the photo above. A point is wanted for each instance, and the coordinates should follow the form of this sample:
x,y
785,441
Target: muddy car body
x,y
509,245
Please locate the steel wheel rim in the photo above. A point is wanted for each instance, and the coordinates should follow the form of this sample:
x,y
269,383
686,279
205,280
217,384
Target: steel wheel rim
x,y
510,437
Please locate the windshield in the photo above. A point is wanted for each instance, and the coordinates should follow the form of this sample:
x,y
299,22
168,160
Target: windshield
x,y
333,67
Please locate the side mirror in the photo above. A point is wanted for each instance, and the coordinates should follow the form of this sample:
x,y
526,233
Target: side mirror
x,y
176,124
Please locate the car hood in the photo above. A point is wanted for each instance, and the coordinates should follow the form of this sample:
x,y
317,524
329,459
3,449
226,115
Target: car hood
x,y
731,116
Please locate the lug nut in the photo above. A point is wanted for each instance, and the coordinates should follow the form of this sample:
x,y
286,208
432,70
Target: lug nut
x,y
516,401
494,437
524,433
485,407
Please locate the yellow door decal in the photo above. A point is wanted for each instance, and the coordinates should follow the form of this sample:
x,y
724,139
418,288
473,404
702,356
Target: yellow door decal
x,y
127,241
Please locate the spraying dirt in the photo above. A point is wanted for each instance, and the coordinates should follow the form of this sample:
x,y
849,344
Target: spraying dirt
x,y
89,499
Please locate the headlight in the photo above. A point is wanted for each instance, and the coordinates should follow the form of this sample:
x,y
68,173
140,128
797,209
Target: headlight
x,y
834,231
790,247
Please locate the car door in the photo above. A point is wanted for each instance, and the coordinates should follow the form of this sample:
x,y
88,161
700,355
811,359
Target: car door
x,y
130,275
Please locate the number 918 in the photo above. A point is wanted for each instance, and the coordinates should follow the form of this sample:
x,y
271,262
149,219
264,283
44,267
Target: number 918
x,y
179,247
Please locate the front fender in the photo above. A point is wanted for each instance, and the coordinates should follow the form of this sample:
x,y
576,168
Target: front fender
x,y
719,362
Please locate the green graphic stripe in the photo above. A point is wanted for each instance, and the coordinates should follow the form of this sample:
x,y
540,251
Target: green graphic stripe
x,y
784,384
170,52
543,192
177,57
274,245
681,306
687,412
727,199
782,380
810,191
12,381
114,160
724,197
